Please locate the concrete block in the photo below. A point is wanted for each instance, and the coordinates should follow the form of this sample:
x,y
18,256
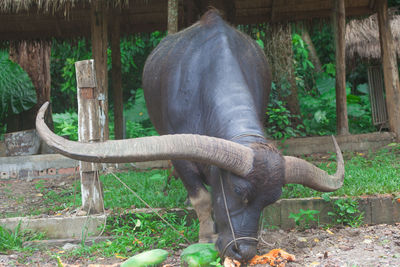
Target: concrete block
x,y
323,144
383,210
59,227
377,210
272,215
365,206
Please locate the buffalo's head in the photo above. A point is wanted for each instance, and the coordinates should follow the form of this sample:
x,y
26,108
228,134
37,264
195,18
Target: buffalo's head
x,y
246,178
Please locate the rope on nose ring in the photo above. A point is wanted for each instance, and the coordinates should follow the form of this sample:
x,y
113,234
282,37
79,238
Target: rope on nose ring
x,y
234,239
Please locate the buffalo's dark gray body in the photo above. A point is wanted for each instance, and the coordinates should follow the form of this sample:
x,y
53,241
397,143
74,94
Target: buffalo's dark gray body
x,y
211,79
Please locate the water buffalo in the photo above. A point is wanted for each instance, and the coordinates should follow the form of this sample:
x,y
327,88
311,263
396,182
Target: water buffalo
x,y
206,89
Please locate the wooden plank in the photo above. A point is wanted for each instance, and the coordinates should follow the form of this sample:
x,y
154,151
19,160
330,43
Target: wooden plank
x,y
99,49
273,10
116,76
339,25
172,16
390,69
89,130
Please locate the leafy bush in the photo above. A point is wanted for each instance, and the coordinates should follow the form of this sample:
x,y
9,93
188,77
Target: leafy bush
x,y
138,123
319,108
279,122
346,212
16,89
304,217
66,124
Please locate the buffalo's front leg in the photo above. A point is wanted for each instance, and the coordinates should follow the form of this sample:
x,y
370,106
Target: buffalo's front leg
x,y
199,197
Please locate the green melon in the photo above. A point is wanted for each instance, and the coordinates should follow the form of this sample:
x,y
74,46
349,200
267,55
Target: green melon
x,y
199,255
147,259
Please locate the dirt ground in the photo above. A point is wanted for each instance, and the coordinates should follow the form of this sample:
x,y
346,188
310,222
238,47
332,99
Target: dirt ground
x,y
377,245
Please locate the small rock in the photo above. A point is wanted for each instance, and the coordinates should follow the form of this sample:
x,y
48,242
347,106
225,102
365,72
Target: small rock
x,y
69,246
81,213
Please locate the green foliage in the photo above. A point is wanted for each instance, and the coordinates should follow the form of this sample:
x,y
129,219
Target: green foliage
x,y
346,212
304,217
304,68
17,92
279,120
319,107
138,123
134,51
13,240
322,38
366,174
216,263
66,124
165,195
64,54
134,233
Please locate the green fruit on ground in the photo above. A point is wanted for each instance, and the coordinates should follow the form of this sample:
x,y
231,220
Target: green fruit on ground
x,y
147,259
199,255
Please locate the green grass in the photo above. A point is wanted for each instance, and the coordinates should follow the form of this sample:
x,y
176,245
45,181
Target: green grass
x,y
13,240
365,174
152,186
138,232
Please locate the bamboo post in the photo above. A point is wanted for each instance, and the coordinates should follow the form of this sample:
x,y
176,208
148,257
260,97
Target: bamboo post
x,y
390,70
89,130
172,16
99,49
116,76
339,26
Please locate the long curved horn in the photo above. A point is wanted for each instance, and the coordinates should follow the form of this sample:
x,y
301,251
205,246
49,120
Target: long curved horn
x,y
216,151
299,171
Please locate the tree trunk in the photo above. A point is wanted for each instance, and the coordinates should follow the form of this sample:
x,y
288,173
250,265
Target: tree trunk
x,y
390,69
339,26
278,49
34,58
173,7
116,77
99,33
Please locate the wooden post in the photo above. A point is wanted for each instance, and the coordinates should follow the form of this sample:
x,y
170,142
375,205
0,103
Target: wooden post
x,y
99,49
390,70
116,76
339,26
89,130
172,16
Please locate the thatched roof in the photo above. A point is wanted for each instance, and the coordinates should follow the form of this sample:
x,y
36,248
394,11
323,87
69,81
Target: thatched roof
x,y
362,37
27,19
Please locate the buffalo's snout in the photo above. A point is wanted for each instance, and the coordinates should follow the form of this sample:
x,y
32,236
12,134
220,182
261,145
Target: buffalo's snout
x,y
241,250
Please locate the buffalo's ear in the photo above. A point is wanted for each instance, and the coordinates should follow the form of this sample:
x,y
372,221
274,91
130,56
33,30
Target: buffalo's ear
x,y
299,171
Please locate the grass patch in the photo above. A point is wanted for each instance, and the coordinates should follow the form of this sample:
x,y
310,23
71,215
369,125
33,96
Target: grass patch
x,y
13,240
134,233
365,174
116,196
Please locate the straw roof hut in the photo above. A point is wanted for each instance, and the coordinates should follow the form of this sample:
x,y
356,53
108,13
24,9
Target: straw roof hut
x,y
362,37
30,19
